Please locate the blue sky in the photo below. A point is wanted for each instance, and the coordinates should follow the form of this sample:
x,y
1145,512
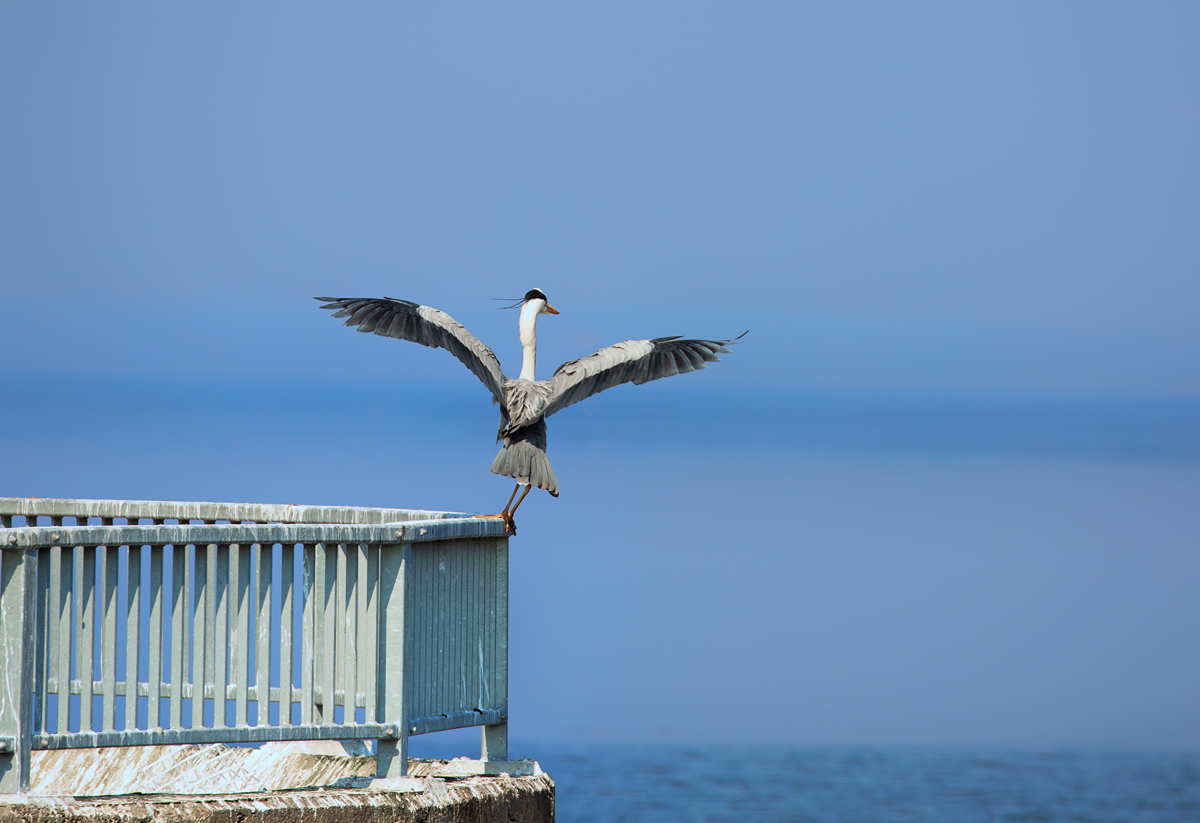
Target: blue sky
x,y
1001,197
941,494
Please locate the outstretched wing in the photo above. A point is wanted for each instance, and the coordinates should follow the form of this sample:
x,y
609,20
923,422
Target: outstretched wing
x,y
406,320
632,361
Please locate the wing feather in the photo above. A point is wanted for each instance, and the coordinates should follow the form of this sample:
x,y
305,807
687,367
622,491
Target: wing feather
x,y
428,326
631,361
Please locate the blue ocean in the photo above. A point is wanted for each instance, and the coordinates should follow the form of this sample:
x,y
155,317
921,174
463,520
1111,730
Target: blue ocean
x,y
656,783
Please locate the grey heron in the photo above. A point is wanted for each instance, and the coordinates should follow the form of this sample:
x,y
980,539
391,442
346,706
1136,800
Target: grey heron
x,y
526,402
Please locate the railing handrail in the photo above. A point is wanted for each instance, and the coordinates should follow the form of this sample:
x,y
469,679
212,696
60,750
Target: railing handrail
x,y
413,531
209,512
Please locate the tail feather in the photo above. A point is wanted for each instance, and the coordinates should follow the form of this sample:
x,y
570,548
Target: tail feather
x,y
523,458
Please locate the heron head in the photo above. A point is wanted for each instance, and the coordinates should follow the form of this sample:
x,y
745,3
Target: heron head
x,y
534,301
543,307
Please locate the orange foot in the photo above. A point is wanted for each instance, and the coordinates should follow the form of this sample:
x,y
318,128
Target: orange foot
x,y
510,526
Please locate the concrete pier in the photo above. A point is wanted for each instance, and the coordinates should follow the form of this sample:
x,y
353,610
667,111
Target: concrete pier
x,y
469,800
279,783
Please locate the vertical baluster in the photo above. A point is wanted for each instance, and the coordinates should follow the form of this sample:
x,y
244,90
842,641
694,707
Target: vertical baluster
x,y
350,661
493,617
457,671
286,624
415,648
395,699
485,619
174,598
422,625
460,624
461,642
323,579
443,620
446,626
133,625
201,628
368,626
478,592
417,623
43,651
263,568
240,642
18,604
179,596
480,598
220,645
108,638
337,612
480,595
308,634
345,633
85,628
490,640
470,634
471,599
61,586
155,632
500,692
436,616
434,622
330,600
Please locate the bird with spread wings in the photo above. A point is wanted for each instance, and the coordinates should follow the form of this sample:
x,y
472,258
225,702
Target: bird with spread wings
x,y
526,402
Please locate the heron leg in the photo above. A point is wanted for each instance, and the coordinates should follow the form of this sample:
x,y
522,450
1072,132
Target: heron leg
x,y
503,515
512,526
528,489
509,526
510,499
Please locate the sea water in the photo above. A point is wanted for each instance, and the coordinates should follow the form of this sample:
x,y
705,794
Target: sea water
x,y
664,784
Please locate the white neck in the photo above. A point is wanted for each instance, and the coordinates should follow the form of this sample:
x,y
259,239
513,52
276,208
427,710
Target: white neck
x,y
529,316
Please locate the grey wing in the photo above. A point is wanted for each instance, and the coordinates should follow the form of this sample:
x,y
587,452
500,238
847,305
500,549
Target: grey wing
x,y
631,361
406,320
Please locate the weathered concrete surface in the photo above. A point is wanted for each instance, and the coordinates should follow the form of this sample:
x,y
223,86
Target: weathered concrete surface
x,y
470,800
208,769
466,767
218,769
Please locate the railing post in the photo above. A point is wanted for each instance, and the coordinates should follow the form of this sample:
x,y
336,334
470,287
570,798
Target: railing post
x,y
18,604
495,738
391,754
495,742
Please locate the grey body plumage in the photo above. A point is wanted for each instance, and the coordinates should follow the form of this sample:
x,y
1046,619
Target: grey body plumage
x,y
525,403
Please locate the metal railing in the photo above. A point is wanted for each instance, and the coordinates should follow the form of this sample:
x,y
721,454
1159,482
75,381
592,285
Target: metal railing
x,y
246,623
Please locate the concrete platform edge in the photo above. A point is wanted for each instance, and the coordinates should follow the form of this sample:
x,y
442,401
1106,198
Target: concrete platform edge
x,y
481,799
